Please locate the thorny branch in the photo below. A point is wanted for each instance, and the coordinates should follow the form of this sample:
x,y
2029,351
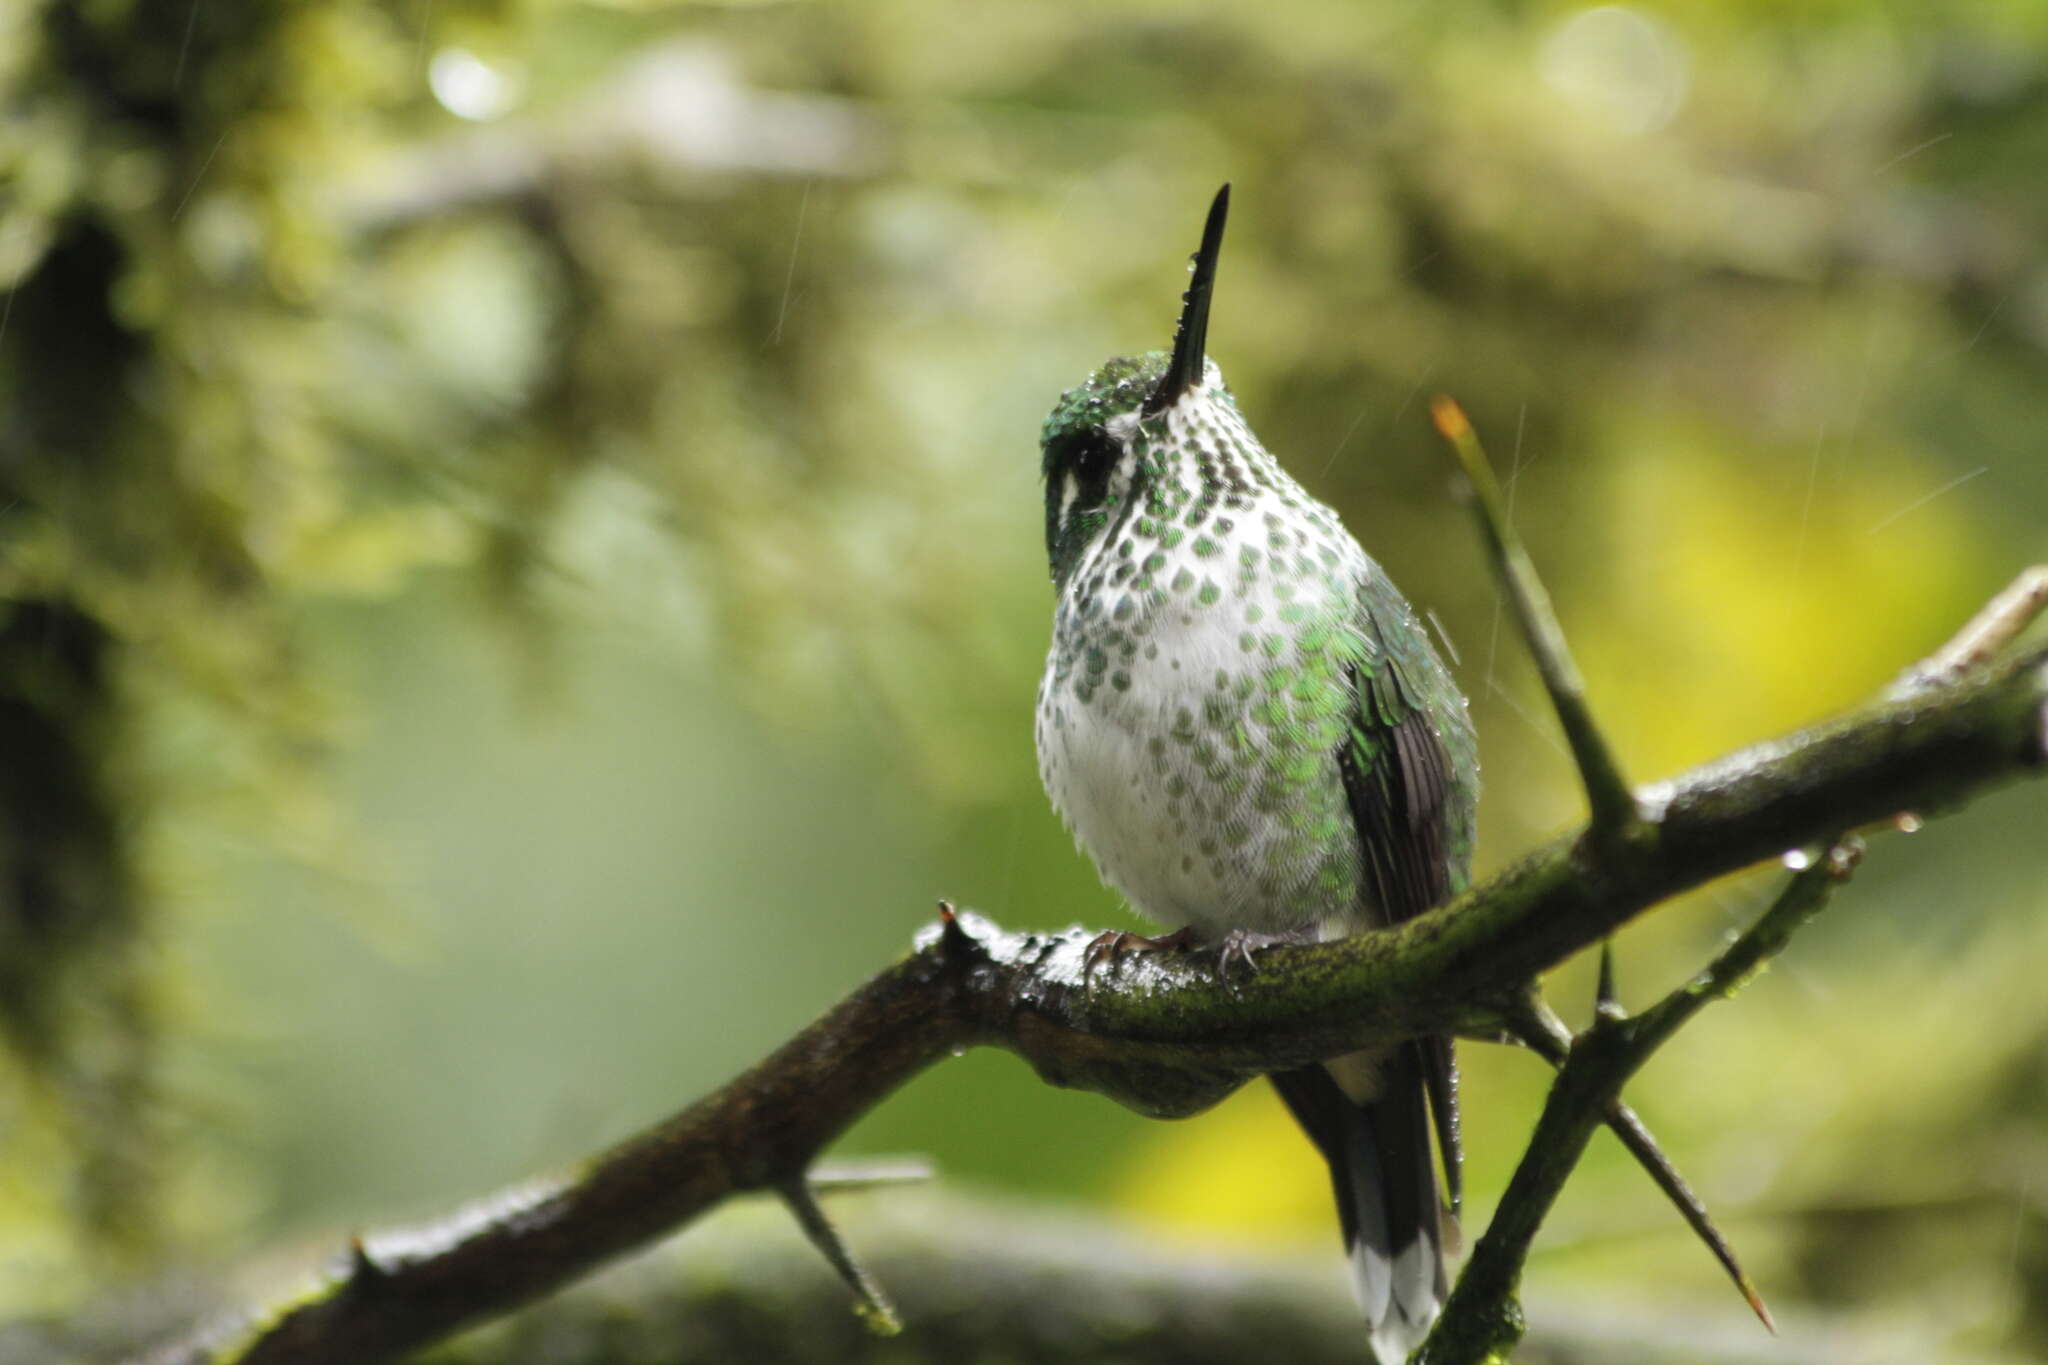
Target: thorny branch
x,y
1543,1033
1163,1036
1482,1321
1168,1037
1483,1315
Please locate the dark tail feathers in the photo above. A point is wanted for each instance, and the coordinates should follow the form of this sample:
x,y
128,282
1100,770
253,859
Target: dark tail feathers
x,y
1385,1181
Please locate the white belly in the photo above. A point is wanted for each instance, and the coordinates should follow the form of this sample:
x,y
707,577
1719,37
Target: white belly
x,y
1168,780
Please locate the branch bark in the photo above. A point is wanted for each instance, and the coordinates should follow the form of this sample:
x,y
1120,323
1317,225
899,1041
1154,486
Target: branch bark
x,y
1161,1035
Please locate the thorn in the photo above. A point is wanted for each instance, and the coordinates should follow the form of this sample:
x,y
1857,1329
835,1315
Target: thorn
x,y
954,940
1605,1005
1635,1136
870,1303
362,1270
1756,1303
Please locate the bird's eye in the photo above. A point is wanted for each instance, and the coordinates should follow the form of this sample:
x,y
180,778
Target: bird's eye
x,y
1092,455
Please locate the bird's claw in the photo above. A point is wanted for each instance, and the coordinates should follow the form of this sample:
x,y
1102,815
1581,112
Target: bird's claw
x,y
1238,946
1234,950
1111,944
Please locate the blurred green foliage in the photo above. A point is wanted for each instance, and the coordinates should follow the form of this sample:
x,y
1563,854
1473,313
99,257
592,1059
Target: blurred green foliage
x,y
518,566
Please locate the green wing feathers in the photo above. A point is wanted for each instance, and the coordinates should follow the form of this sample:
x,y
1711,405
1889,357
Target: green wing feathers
x,y
1412,763
1411,772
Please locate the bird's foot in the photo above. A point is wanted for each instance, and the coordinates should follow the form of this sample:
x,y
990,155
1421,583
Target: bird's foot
x,y
1238,946
1110,946
1235,948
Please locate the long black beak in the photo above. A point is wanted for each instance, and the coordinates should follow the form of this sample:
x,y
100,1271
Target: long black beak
x,y
1185,369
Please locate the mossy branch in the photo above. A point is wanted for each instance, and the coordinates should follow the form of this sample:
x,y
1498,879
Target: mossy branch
x,y
1161,1035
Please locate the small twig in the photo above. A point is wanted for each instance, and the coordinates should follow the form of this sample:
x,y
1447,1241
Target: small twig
x,y
1802,898
1482,1320
1614,808
1546,1035
1989,631
872,1305
1618,1045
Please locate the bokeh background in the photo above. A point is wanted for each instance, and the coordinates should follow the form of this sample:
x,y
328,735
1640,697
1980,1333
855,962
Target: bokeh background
x,y
520,574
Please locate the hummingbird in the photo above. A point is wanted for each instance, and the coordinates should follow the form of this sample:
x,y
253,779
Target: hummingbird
x,y
1246,727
